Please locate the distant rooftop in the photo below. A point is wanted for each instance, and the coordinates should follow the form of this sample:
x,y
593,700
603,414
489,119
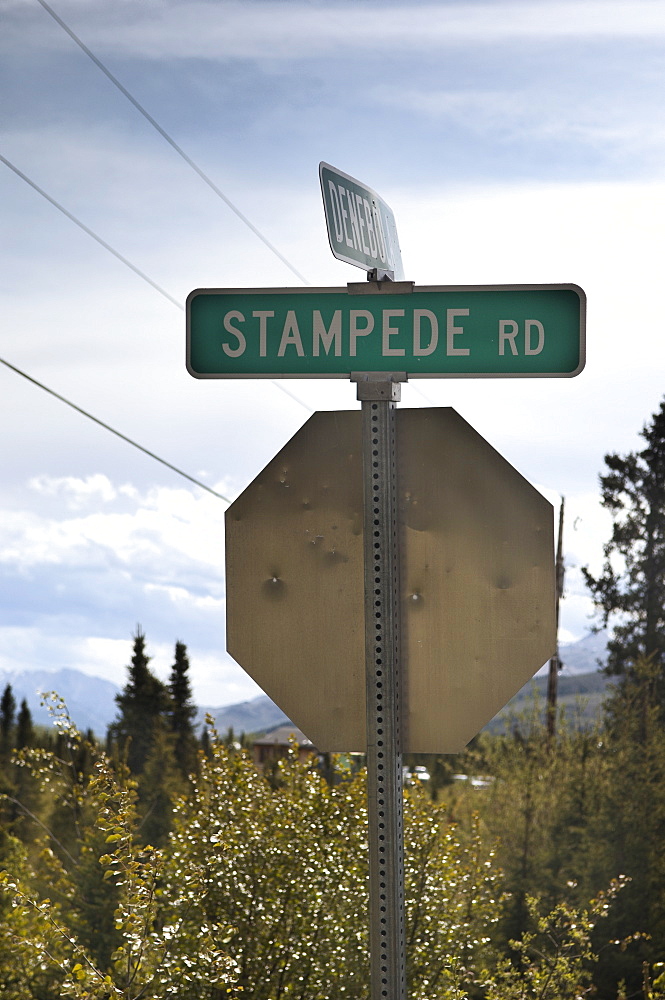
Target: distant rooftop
x,y
281,735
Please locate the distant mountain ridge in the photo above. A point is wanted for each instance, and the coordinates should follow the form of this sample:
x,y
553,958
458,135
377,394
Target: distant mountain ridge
x,y
584,655
255,716
91,700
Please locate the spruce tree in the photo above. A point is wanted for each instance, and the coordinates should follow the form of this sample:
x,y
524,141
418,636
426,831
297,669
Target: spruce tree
x,y
630,590
25,733
143,702
182,711
7,715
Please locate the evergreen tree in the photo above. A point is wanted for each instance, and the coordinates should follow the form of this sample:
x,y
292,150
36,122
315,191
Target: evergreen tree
x,y
25,733
25,791
631,587
627,835
143,702
160,785
182,711
7,715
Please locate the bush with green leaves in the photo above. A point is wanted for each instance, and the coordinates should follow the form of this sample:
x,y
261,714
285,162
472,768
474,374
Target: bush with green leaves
x,y
287,870
260,893
95,922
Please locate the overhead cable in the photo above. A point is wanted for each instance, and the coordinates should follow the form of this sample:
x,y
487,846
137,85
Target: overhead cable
x,y
89,231
119,256
165,135
63,399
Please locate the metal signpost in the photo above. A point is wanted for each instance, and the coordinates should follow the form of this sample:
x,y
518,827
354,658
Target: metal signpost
x,y
462,556
384,689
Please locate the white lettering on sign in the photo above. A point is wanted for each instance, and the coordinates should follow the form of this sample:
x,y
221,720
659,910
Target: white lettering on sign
x,y
510,328
389,332
528,326
238,334
418,350
358,224
355,331
361,223
353,219
291,336
263,316
345,214
337,217
322,336
370,228
453,331
394,333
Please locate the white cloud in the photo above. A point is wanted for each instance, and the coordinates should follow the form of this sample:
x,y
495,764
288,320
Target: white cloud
x,y
77,492
179,596
537,115
288,30
161,528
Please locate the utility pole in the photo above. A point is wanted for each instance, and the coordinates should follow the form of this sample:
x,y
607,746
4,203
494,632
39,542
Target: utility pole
x,y
555,663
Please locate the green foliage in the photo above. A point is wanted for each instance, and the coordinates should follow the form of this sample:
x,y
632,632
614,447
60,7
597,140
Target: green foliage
x,y
153,735
259,890
182,712
285,869
107,929
631,817
572,815
554,960
25,733
631,588
143,702
7,716
265,887
453,895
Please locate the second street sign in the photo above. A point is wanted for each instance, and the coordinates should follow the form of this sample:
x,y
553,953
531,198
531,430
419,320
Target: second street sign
x,y
361,227
498,331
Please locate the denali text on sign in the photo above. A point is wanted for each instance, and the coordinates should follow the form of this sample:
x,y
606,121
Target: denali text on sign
x,y
446,332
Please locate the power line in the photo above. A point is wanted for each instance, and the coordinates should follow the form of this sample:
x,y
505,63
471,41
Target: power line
x,y
124,260
89,231
106,427
165,135
118,255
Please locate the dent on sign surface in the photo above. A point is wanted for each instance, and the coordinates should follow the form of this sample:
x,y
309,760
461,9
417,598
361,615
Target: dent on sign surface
x,y
477,580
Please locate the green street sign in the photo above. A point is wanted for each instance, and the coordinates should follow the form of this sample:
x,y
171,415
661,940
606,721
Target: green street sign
x,y
473,331
361,227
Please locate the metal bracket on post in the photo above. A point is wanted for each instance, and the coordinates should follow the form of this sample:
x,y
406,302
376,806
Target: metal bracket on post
x,y
379,385
373,286
378,393
380,274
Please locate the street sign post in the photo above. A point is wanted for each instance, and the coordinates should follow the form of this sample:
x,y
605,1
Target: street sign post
x,y
390,584
390,579
477,331
361,227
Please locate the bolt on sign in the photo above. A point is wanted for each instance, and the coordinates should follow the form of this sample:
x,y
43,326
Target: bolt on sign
x,y
498,331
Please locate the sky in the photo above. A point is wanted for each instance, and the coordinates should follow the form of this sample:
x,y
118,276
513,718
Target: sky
x,y
516,142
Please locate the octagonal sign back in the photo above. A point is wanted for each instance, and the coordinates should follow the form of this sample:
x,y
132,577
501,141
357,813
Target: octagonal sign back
x,y
477,580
